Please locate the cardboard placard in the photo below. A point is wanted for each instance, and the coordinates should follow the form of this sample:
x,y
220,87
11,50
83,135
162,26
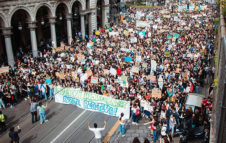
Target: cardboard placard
x,y
156,93
89,73
135,69
94,80
4,69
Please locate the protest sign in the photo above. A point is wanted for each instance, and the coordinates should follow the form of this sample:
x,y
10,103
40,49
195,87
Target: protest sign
x,y
60,75
92,101
4,69
133,39
94,80
89,73
142,23
48,81
113,71
156,93
127,59
153,65
138,59
167,54
106,71
152,79
135,69
176,35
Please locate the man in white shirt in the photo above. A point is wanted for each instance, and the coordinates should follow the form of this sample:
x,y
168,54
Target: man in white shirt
x,y
97,131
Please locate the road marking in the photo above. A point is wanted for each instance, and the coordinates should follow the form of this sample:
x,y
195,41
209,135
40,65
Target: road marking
x,y
67,127
111,132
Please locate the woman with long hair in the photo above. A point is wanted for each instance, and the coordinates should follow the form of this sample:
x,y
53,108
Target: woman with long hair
x,y
41,108
122,124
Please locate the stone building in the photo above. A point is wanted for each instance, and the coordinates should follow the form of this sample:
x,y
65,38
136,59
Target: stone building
x,y
25,24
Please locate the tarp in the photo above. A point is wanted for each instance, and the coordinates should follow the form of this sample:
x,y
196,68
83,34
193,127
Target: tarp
x,y
92,101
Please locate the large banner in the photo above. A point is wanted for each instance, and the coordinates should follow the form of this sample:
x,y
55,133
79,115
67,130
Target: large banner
x,y
92,101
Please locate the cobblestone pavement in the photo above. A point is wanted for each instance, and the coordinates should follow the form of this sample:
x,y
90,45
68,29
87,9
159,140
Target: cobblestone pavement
x,y
141,131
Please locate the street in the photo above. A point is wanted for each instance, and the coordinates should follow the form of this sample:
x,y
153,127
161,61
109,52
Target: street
x,y
67,124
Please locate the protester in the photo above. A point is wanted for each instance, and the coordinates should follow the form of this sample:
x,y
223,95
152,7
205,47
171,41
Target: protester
x,y
2,121
122,124
14,135
153,58
41,109
97,131
33,110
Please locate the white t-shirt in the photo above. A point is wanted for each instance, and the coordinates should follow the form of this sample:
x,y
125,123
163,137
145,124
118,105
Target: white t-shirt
x,y
97,132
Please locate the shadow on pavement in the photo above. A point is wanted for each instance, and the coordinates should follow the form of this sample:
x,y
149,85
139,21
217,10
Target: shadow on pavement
x,y
29,139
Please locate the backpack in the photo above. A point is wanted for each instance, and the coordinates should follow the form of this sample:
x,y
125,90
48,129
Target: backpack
x,y
137,112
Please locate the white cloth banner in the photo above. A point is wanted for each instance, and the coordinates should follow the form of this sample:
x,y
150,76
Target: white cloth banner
x,y
92,101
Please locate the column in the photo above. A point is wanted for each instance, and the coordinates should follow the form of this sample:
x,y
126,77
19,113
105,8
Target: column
x,y
83,26
8,43
69,32
32,27
93,23
105,15
52,21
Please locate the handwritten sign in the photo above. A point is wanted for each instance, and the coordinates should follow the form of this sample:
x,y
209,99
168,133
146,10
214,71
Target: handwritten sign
x,y
156,93
94,80
4,69
135,69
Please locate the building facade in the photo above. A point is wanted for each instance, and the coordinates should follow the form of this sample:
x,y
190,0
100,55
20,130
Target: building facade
x,y
27,23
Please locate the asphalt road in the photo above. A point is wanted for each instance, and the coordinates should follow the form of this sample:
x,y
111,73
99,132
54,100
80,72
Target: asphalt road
x,y
67,124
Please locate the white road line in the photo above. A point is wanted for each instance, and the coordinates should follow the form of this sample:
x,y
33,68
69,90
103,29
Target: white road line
x,y
67,127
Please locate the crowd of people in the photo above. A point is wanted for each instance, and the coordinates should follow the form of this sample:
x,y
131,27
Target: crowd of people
x,y
172,54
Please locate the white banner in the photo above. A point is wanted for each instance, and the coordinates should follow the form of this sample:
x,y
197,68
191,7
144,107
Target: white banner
x,y
92,101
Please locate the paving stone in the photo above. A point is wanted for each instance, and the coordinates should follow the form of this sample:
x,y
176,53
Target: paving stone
x,y
140,131
143,135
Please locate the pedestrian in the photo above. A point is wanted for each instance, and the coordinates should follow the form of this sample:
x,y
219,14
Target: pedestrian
x,y
41,108
97,131
33,110
2,104
172,124
135,113
122,124
14,134
2,121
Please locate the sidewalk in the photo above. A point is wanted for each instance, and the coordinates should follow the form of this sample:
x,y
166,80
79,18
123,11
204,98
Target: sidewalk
x,y
132,131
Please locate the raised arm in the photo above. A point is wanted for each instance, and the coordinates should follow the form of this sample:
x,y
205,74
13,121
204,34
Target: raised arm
x,y
105,124
147,123
19,129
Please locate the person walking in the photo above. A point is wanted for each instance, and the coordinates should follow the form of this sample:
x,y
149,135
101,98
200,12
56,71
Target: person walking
x,y
33,110
172,124
2,121
13,135
41,108
2,104
122,124
97,131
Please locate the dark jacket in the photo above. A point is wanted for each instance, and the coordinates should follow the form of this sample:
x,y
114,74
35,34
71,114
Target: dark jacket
x,y
14,135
